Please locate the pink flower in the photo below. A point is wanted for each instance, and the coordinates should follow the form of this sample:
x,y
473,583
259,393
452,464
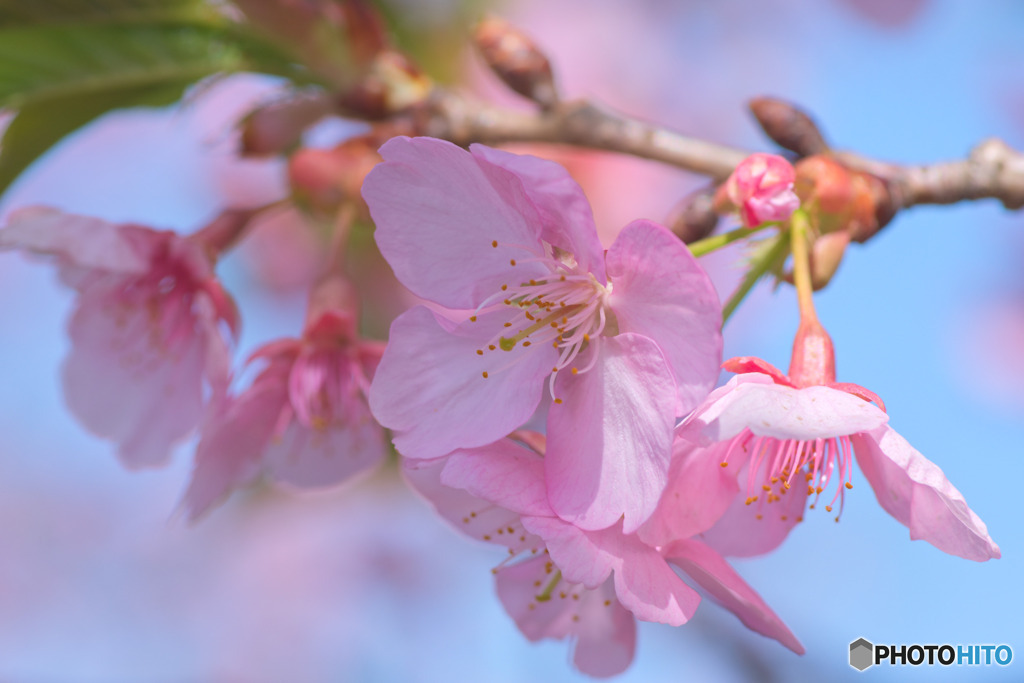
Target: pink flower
x,y
304,421
779,440
625,340
146,338
562,581
761,188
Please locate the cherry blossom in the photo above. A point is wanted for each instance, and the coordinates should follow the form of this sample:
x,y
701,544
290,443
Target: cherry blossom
x,y
526,300
147,344
304,420
749,458
561,581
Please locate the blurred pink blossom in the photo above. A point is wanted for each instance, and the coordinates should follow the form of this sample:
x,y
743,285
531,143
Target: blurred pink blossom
x,y
146,333
304,421
625,341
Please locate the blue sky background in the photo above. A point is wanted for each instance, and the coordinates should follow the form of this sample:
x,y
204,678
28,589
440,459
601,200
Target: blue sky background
x,y
98,582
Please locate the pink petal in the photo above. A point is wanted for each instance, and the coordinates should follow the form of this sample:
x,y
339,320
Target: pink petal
x,y
565,214
437,214
476,518
503,473
122,381
429,387
644,583
739,532
728,589
914,490
231,446
609,441
605,631
662,293
698,493
782,412
84,241
309,457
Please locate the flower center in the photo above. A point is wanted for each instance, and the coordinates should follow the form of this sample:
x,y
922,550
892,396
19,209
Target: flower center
x,y
778,467
566,308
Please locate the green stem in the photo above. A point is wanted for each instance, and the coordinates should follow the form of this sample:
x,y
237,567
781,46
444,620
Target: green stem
x,y
710,244
758,269
802,267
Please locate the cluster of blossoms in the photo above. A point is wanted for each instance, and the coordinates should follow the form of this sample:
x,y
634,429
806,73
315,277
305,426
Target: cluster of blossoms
x,y
150,360
642,465
644,470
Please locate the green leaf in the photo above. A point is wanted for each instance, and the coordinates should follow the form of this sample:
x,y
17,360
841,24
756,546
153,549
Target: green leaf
x,y
37,127
24,12
45,62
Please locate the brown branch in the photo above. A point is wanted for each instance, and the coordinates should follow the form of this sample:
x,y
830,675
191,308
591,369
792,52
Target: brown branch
x,y
993,169
579,123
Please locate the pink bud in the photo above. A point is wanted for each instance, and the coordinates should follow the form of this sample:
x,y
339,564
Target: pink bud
x,y
761,187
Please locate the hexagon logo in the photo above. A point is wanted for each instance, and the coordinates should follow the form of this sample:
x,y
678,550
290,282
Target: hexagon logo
x,y
862,654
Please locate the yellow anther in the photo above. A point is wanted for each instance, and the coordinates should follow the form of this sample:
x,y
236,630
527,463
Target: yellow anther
x,y
494,244
504,288
828,508
484,373
512,262
472,318
849,485
575,371
724,464
491,347
479,352
526,343
558,401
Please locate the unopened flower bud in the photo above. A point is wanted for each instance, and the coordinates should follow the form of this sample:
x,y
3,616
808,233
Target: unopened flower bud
x,y
277,127
694,217
761,189
840,199
826,255
324,178
788,126
392,84
517,61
